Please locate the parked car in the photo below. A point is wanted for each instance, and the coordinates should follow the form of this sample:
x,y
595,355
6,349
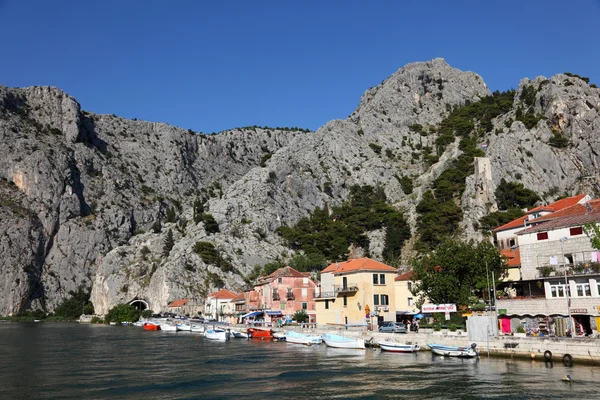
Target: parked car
x,y
392,327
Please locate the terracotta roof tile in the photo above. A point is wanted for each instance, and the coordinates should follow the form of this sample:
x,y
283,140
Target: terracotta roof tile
x,y
223,294
575,215
404,277
359,264
281,273
552,208
513,256
179,303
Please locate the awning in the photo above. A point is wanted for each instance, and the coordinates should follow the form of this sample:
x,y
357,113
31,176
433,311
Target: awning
x,y
252,314
274,313
407,312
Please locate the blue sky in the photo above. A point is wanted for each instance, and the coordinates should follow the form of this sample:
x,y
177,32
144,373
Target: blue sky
x,y
214,65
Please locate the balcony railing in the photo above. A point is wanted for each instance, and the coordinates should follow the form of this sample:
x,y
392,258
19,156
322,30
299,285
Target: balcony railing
x,y
548,271
276,296
290,296
326,295
346,289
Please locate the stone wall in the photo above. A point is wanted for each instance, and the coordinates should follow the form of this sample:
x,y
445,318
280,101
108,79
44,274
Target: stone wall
x,y
535,255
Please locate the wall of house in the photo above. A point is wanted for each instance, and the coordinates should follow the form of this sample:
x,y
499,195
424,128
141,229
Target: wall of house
x,y
536,253
354,310
402,295
503,238
543,306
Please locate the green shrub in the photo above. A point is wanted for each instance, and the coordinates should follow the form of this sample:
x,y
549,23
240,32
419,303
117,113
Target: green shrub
x,y
121,313
300,316
558,140
375,147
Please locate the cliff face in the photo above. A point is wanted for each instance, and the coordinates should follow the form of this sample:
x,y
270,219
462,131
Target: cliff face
x,y
81,191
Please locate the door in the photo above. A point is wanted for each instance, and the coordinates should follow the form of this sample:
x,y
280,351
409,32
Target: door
x,y
345,283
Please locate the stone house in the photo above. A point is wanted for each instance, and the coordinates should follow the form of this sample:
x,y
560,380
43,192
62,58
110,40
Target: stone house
x,y
220,306
560,275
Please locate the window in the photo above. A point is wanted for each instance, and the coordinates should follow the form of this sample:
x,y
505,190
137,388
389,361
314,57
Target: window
x,y
304,292
304,306
385,301
542,236
411,302
576,231
511,242
305,281
583,290
409,284
375,279
376,299
558,290
280,280
282,305
382,279
345,301
327,304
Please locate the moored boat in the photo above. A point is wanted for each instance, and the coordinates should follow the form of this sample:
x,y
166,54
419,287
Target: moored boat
x,y
239,334
149,326
260,333
343,342
217,334
454,351
183,327
168,327
198,328
397,347
300,338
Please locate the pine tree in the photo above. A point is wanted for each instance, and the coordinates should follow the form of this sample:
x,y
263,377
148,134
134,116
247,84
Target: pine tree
x,y
157,227
169,243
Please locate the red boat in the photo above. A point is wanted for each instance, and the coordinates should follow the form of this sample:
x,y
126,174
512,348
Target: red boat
x,y
260,333
151,327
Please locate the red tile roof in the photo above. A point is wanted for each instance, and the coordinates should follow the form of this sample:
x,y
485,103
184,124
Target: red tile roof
x,y
575,215
404,277
552,208
359,264
239,297
513,257
223,294
179,303
281,273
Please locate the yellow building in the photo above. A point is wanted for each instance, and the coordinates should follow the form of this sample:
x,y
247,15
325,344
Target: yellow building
x,y
406,301
356,292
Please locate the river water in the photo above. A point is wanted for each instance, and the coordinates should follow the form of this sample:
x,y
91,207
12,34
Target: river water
x,y
68,360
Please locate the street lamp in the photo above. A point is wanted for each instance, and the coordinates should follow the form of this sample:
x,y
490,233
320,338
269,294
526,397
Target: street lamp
x,y
570,324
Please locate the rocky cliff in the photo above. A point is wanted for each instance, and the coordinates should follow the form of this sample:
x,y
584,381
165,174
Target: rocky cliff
x,y
82,191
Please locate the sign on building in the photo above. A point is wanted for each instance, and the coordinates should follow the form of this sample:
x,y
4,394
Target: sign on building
x,y
438,308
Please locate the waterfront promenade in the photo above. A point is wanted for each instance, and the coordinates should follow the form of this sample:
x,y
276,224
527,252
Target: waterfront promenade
x,y
582,350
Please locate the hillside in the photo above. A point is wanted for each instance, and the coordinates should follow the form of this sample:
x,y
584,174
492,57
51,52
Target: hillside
x,y
81,193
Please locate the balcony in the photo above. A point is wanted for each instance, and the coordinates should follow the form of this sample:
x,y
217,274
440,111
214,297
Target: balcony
x,y
290,296
349,289
548,271
276,297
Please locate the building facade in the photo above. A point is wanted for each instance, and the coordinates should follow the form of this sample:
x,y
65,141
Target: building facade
x,y
219,306
358,292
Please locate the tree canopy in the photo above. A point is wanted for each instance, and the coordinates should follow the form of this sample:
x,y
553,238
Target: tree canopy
x,y
514,195
456,271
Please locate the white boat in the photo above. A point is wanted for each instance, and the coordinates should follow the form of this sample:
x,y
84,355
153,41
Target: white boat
x,y
453,351
278,336
197,328
397,347
217,334
300,338
138,323
343,342
183,327
239,335
168,327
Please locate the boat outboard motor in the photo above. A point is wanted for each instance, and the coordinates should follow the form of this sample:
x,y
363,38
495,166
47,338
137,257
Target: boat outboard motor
x,y
473,345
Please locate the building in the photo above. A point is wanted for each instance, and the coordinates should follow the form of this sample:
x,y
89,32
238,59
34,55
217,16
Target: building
x,y
356,292
406,301
190,307
280,294
220,306
560,275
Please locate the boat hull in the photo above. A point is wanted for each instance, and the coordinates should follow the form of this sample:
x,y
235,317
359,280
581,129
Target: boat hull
x,y
299,338
168,328
151,327
216,334
239,335
450,351
399,348
264,334
343,342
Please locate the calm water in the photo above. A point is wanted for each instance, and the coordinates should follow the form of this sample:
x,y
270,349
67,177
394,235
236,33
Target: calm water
x,y
61,360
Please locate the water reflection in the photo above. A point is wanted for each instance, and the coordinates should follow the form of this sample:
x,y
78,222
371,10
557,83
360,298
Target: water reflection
x,y
83,361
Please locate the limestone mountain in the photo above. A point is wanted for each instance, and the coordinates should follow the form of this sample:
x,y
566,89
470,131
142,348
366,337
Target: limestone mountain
x,y
82,193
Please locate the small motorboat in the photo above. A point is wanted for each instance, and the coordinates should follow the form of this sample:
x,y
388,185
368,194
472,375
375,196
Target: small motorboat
x,y
343,342
300,338
397,347
260,333
239,335
183,327
150,326
168,327
453,351
198,328
279,336
217,334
